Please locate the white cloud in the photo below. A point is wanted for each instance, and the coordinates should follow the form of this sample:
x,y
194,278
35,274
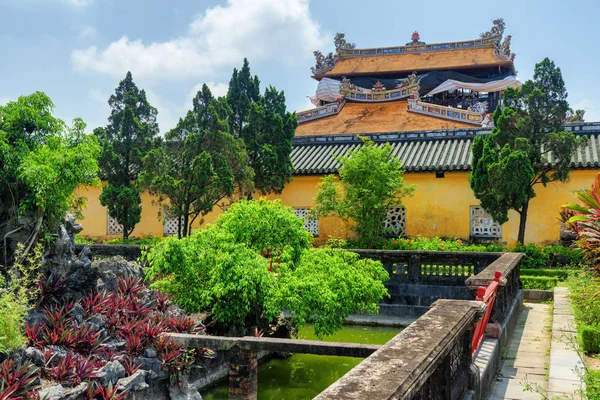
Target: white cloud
x,y
592,114
217,89
86,32
78,3
279,30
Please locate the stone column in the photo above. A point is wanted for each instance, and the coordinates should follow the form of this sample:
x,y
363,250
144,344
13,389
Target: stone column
x,y
243,374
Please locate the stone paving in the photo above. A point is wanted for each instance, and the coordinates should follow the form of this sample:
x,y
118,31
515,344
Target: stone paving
x,y
527,356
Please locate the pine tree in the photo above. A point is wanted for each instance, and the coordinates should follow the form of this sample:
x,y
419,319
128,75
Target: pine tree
x,y
125,141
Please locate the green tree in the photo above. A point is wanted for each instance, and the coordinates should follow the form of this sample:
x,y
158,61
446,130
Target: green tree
x,y
371,181
199,164
125,141
243,91
42,161
220,270
528,146
266,128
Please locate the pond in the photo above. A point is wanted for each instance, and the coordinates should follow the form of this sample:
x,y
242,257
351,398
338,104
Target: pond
x,y
303,376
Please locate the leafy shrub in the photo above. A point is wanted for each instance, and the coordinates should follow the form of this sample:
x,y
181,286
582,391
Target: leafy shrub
x,y
438,244
590,339
16,295
592,384
560,274
550,256
585,296
539,282
143,240
210,271
263,224
17,381
330,279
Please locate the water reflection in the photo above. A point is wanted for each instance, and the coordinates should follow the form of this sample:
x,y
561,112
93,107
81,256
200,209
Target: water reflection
x,y
303,376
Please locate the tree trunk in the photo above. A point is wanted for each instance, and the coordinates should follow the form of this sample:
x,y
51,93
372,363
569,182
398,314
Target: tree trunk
x,y
523,223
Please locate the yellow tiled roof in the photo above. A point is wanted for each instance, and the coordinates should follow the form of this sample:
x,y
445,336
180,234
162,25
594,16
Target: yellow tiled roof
x,y
373,118
426,61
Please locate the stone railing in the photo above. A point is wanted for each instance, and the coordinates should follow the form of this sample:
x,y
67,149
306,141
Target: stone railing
x,y
429,360
509,264
450,268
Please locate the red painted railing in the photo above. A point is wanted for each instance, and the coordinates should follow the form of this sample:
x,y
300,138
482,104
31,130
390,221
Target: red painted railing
x,y
486,295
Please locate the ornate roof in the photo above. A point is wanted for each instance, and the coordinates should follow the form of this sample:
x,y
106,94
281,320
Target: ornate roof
x,y
487,50
434,150
355,117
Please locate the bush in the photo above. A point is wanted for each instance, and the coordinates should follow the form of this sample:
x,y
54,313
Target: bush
x,y
550,256
592,384
263,224
560,274
330,279
438,244
590,339
539,282
585,296
16,295
210,271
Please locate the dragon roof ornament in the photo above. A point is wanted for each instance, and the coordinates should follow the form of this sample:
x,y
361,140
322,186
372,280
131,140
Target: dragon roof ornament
x,y
344,49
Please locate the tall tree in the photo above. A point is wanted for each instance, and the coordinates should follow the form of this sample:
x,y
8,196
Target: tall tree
x,y
266,128
199,164
371,182
42,161
243,91
528,146
126,140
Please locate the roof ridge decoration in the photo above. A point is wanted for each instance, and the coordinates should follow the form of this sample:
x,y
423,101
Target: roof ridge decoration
x,y
320,112
476,114
379,92
344,49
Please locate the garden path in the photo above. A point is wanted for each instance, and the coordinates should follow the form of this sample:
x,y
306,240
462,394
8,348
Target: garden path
x,y
527,356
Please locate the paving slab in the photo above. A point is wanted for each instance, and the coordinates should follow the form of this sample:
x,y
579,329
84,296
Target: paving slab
x,y
526,356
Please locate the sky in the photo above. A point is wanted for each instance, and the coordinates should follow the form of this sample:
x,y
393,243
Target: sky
x,y
77,51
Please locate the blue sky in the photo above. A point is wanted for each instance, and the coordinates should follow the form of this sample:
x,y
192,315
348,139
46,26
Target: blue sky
x,y
78,50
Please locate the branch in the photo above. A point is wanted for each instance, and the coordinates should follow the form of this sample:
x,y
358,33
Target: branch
x,y
32,238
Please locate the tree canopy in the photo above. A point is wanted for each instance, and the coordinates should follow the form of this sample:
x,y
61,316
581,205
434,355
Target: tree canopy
x,y
371,181
198,164
125,141
42,161
528,146
220,270
266,128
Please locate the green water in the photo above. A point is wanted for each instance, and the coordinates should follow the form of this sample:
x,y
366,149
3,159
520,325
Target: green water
x,y
303,376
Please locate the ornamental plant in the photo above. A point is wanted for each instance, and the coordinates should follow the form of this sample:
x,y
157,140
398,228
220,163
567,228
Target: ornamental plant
x,y
221,270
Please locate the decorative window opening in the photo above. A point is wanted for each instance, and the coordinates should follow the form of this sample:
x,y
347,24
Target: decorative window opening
x,y
113,227
310,224
483,225
395,222
170,224
439,174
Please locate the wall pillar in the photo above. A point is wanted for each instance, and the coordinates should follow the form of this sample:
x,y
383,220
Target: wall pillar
x,y
243,374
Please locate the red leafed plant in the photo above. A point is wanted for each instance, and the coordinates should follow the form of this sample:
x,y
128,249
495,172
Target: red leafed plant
x,y
130,287
130,366
34,335
183,324
53,288
110,392
584,221
17,381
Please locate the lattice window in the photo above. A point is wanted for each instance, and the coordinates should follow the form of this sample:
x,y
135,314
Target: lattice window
x,y
483,225
395,222
113,227
311,224
170,224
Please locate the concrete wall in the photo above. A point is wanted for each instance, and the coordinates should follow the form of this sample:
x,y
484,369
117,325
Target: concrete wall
x,y
439,207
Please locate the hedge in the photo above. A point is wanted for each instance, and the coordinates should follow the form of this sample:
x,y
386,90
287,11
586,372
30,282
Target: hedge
x,y
561,274
539,282
590,339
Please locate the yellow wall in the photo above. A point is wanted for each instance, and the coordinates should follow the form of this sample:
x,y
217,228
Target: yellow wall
x,y
439,207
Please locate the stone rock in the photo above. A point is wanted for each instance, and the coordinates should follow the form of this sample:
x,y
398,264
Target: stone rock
x,y
111,373
35,317
149,353
96,322
77,393
152,365
58,353
175,311
183,390
135,382
35,356
147,296
55,392
77,313
111,269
